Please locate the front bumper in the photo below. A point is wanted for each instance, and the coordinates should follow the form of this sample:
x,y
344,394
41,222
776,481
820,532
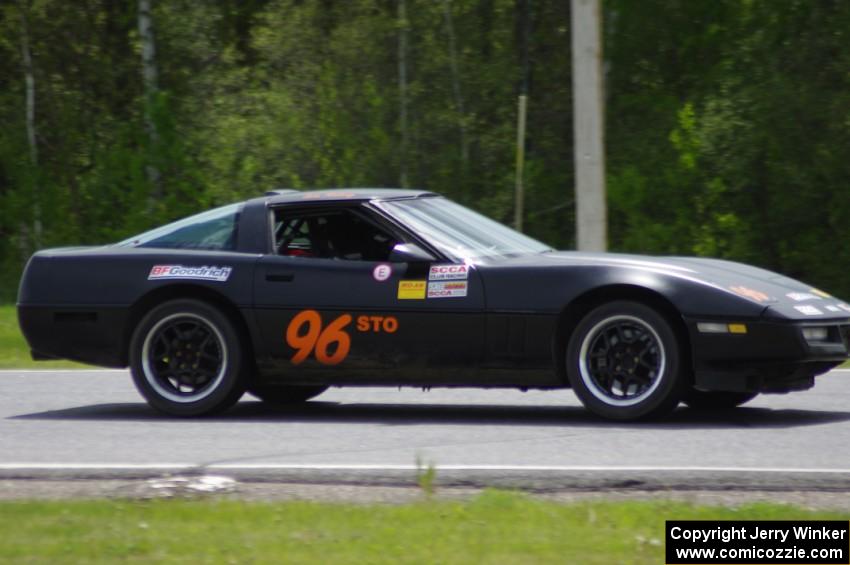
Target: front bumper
x,y
772,356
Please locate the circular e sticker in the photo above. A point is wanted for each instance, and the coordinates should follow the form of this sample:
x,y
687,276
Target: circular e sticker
x,y
382,272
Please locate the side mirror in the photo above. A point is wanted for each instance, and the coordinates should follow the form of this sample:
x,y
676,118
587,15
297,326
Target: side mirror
x,y
410,253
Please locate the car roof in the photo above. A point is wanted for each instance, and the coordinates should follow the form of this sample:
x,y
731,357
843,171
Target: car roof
x,y
286,196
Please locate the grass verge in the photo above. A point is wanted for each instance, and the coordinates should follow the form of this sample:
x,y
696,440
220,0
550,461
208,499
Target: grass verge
x,y
14,352
495,527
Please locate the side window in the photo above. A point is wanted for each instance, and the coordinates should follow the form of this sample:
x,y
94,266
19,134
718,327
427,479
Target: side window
x,y
338,234
213,230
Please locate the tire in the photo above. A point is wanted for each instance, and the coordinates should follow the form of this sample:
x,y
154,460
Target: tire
x,y
716,400
281,394
646,355
186,359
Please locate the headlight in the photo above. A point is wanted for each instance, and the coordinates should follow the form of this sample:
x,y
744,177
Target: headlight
x,y
815,334
712,328
718,328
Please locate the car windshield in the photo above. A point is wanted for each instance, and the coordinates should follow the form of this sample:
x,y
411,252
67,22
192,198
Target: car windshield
x,y
214,230
458,231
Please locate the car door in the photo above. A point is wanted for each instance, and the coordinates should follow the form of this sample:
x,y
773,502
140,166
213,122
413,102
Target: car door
x,y
331,306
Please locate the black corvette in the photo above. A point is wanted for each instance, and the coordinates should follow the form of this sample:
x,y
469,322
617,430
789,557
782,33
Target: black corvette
x,y
287,294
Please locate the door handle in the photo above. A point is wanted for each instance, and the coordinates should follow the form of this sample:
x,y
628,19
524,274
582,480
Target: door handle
x,y
280,277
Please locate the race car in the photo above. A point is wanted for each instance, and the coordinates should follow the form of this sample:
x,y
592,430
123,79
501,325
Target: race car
x,y
292,292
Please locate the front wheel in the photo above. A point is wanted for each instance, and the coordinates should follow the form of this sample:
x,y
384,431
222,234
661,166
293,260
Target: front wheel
x,y
186,359
624,362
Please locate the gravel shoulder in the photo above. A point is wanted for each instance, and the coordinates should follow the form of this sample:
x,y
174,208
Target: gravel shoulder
x,y
222,487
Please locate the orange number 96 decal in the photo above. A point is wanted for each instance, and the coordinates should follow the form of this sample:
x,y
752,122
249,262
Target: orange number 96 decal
x,y
306,336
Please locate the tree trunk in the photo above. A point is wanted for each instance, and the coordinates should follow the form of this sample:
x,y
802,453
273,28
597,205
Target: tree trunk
x,y
29,81
149,78
402,90
458,95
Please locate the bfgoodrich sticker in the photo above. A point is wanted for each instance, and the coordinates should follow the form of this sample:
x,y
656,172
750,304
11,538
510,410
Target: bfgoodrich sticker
x,y
448,289
204,273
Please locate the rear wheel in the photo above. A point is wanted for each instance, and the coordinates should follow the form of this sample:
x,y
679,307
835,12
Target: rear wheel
x,y
186,359
283,394
624,362
716,400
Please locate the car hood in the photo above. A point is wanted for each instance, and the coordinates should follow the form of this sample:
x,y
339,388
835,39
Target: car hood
x,y
780,294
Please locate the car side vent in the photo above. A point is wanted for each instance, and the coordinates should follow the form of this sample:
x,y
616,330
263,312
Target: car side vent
x,y
75,317
280,191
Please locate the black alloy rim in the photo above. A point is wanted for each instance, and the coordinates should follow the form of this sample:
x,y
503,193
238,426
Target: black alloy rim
x,y
622,360
185,357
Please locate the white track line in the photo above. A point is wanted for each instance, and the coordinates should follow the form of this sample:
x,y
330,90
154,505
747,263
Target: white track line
x,y
96,370
18,371
449,467
94,466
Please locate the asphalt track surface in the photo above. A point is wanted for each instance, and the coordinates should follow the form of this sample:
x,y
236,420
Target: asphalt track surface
x,y
94,425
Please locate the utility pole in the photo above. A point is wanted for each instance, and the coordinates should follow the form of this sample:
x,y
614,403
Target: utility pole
x,y
588,126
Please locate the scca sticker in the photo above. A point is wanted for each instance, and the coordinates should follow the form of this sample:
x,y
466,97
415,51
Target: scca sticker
x,y
448,272
446,289
330,344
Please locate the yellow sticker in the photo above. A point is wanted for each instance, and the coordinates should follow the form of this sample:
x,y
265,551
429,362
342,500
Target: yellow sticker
x,y
821,293
411,290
